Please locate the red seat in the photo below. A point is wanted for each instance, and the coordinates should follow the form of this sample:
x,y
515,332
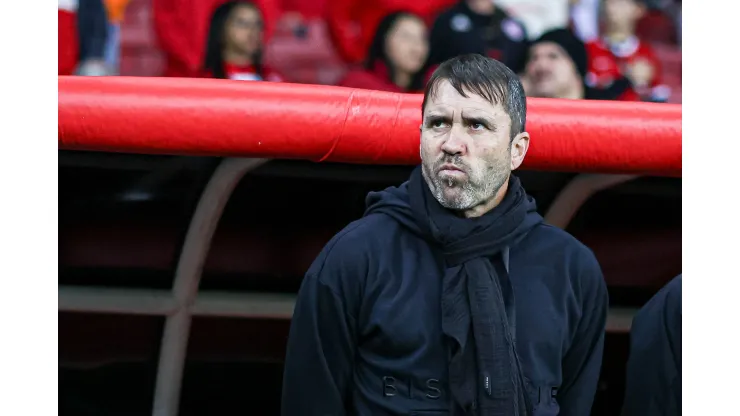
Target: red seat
x,y
140,54
634,258
235,249
306,60
656,27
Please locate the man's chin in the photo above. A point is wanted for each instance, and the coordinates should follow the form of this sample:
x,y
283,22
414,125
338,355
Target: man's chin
x,y
453,198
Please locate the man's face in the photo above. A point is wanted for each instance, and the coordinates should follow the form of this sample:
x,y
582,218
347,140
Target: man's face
x,y
465,148
550,71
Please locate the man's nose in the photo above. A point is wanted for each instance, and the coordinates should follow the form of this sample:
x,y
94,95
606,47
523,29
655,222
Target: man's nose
x,y
455,143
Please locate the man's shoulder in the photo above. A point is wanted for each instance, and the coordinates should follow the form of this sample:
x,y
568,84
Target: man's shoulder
x,y
557,245
573,265
357,243
366,230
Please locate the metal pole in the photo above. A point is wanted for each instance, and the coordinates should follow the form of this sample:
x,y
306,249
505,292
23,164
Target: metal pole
x,y
115,300
577,192
187,279
162,303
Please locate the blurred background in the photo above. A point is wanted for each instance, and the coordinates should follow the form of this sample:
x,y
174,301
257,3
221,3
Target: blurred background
x,y
123,217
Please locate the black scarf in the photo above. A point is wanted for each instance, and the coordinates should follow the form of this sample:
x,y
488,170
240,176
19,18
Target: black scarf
x,y
485,374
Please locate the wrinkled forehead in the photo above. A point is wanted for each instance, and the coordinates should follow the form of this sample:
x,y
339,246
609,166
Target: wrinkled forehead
x,y
446,101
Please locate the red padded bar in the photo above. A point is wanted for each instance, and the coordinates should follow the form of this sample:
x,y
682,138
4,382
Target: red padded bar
x,y
323,123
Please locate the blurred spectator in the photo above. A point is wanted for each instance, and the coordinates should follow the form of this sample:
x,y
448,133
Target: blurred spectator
x,y
584,17
115,10
182,28
92,35
235,44
478,26
352,23
395,61
619,52
557,67
537,16
68,48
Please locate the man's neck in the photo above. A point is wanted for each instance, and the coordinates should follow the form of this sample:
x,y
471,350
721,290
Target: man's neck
x,y
238,59
492,203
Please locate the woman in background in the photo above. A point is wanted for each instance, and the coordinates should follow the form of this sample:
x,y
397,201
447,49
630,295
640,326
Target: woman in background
x,y
397,56
234,48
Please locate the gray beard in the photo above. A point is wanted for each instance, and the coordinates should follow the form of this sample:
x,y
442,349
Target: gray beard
x,y
471,193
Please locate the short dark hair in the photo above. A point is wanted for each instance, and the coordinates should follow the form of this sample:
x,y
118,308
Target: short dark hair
x,y
486,77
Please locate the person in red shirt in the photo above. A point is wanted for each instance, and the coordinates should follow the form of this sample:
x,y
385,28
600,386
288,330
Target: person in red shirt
x,y
556,68
619,52
181,28
352,24
397,56
235,43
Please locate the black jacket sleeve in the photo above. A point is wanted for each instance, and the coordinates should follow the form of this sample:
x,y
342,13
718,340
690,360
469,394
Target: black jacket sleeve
x,y
582,362
321,345
653,384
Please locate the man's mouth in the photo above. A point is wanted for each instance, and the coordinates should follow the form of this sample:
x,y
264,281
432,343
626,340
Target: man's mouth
x,y
450,169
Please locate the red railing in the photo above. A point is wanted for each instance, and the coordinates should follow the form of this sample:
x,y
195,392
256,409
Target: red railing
x,y
250,123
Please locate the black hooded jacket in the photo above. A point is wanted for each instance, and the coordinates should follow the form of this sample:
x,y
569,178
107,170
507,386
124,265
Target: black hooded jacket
x,y
653,385
366,337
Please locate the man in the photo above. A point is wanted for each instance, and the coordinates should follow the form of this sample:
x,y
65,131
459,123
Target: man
x,y
451,295
654,366
557,67
478,26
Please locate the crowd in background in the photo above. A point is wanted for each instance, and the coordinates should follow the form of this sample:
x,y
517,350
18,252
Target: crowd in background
x,y
577,49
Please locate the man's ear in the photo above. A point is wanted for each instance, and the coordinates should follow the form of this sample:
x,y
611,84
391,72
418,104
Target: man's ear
x,y
519,147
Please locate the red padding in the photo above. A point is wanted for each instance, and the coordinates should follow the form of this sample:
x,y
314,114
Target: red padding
x,y
322,123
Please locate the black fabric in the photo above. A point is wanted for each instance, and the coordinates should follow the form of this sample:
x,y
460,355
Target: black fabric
x,y
653,383
366,334
485,36
612,92
92,29
485,374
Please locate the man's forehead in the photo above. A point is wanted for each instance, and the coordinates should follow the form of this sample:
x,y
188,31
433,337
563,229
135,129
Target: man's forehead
x,y
446,99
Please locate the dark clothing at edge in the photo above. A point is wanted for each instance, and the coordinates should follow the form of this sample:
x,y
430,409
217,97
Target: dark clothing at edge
x,y
653,385
368,336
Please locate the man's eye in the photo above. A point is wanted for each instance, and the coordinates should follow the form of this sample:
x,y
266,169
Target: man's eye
x,y
437,124
477,126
